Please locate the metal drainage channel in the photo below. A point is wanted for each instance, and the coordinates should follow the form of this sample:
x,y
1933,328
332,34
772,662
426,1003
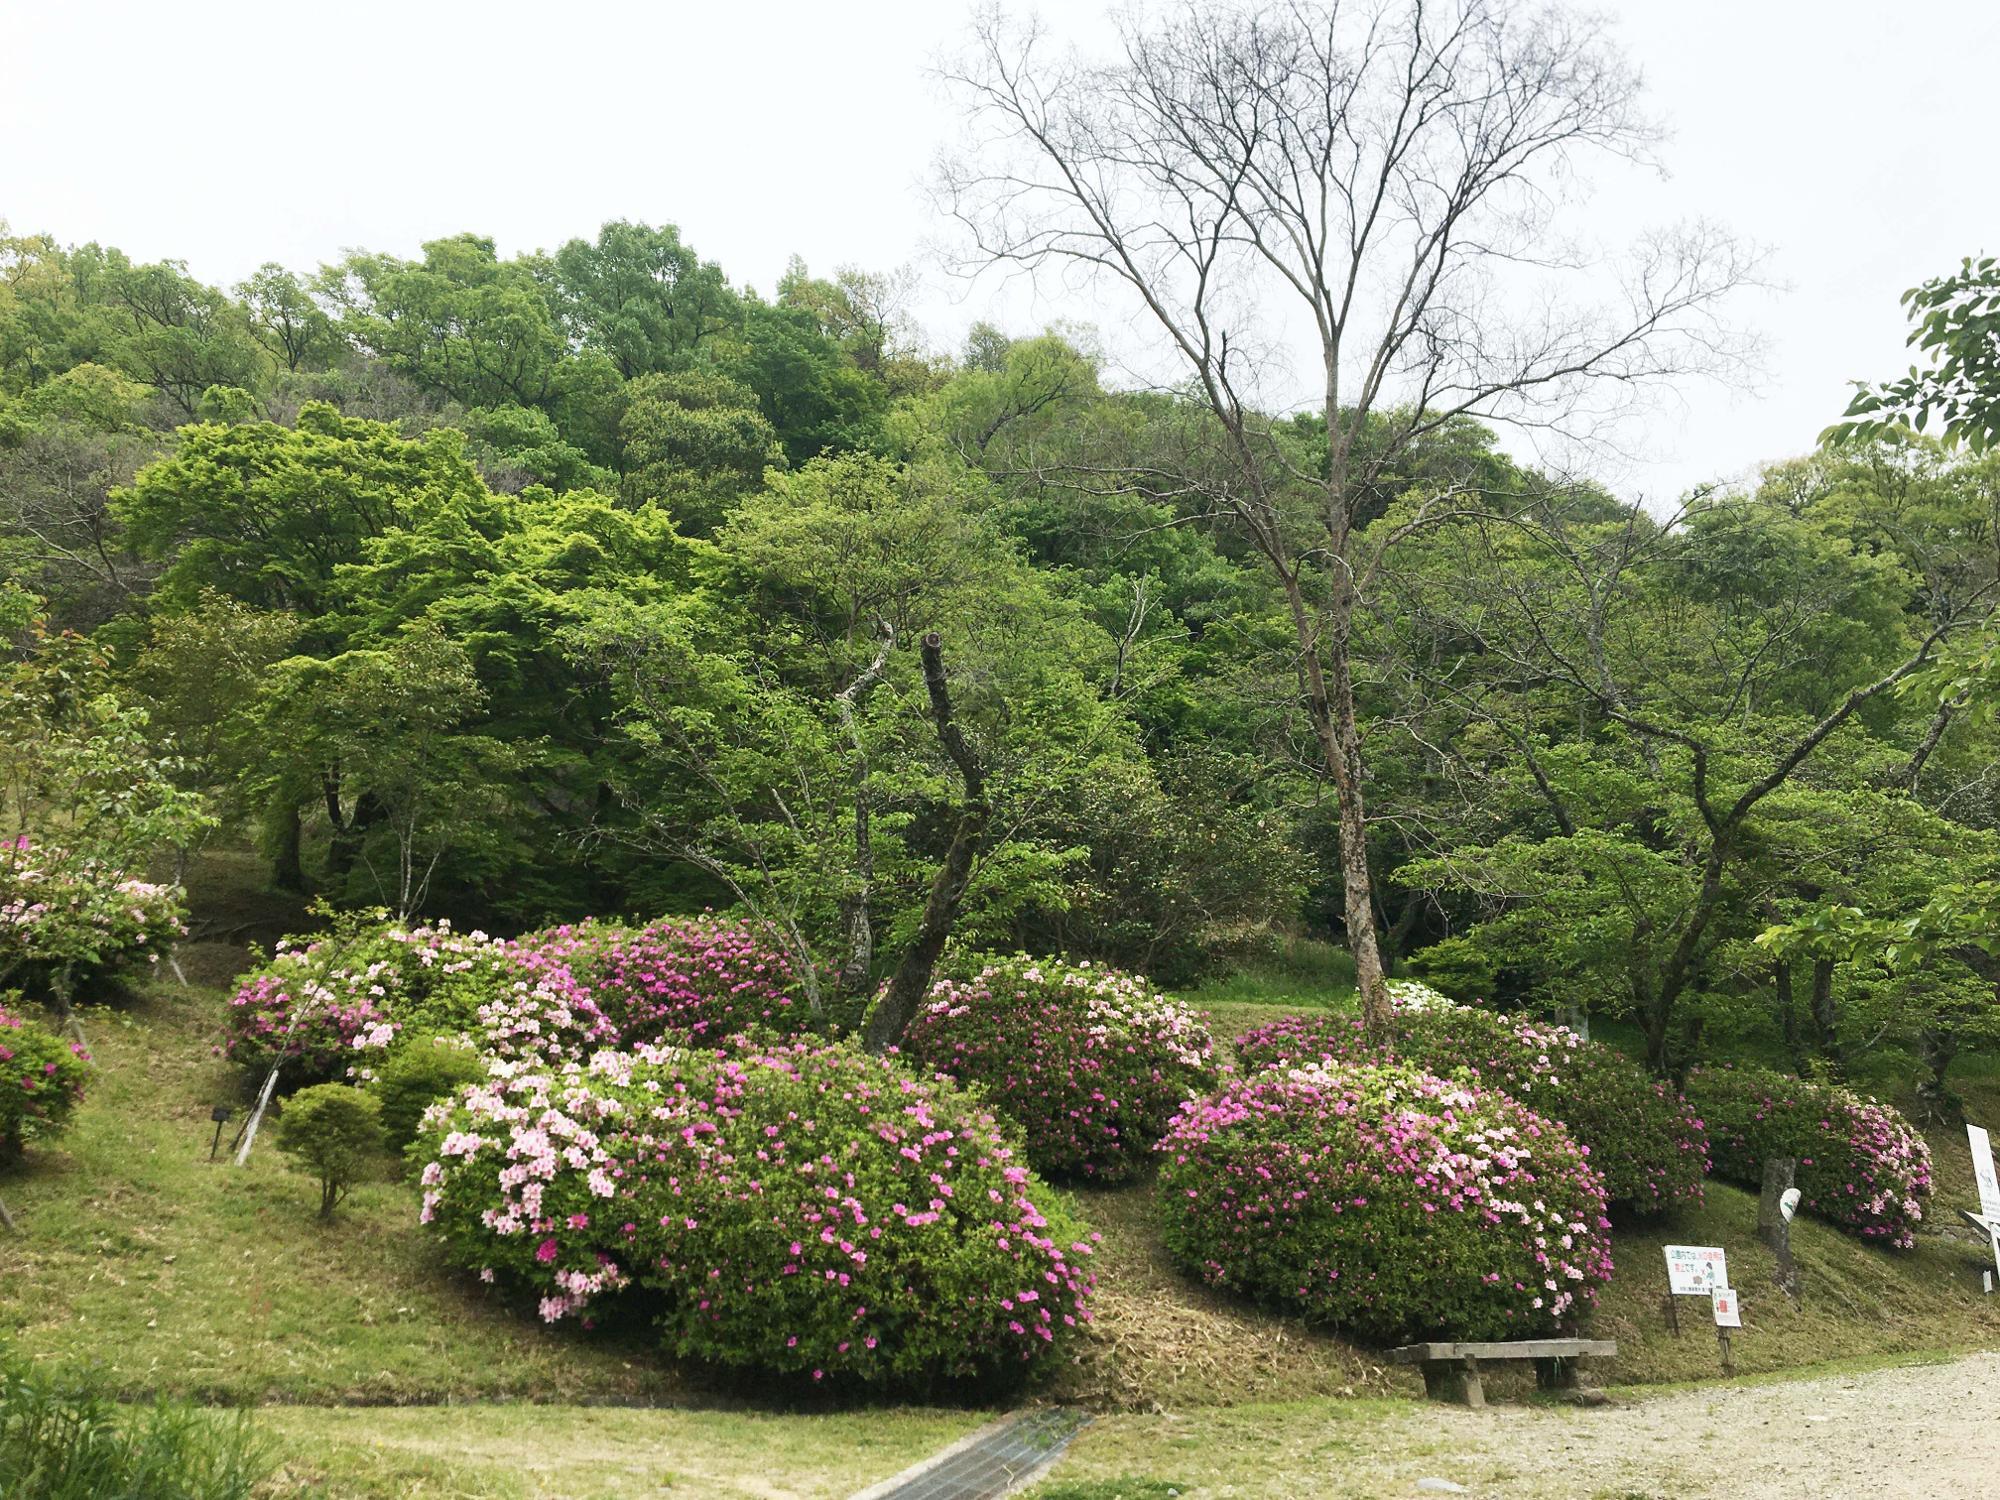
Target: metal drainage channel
x,y
989,1463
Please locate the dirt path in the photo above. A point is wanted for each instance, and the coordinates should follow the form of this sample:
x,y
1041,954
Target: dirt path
x,y
1918,1432
1923,1432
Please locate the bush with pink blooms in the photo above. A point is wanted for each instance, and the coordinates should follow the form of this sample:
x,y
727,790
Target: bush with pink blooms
x,y
1642,1135
1861,1165
41,1078
1090,1062
331,1006
64,918
700,978
1387,1203
810,1213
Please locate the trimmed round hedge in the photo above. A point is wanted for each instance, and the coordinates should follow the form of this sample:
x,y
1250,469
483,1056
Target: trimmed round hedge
x,y
1386,1202
1861,1165
1646,1139
1090,1062
805,1212
41,1080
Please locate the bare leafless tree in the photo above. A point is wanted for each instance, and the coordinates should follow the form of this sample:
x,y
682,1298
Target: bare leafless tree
x,y
1395,173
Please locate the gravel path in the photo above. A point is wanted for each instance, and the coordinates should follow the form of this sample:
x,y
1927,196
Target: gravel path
x,y
1923,1432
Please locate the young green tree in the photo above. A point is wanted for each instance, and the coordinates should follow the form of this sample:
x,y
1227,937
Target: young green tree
x,y
333,1133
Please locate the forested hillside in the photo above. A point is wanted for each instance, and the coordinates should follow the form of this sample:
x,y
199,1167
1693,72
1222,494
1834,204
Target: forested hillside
x,y
522,588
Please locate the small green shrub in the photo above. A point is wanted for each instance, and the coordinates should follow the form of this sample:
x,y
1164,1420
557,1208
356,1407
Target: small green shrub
x,y
333,1133
41,1079
63,1440
1090,1062
1387,1203
420,1072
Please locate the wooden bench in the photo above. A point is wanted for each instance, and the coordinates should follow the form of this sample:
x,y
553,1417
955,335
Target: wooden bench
x,y
1451,1371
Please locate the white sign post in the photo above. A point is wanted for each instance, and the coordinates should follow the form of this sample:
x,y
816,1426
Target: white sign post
x,y
1696,1270
1982,1169
1988,1217
1728,1315
1692,1271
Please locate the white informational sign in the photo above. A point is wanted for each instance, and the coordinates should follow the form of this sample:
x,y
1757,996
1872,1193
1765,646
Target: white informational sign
x,y
1696,1270
1727,1313
1788,1203
1982,1168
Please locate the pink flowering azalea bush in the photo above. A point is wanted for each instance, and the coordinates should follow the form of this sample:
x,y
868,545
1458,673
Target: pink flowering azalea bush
x,y
1642,1135
1386,1202
333,1005
698,978
1861,1165
1090,1062
41,1078
804,1212
64,915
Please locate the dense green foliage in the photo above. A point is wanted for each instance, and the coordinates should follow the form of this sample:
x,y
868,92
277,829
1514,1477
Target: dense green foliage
x,y
1391,1204
420,1073
588,581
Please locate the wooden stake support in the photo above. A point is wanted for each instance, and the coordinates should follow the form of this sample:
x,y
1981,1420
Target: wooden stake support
x,y
1728,1364
1673,1313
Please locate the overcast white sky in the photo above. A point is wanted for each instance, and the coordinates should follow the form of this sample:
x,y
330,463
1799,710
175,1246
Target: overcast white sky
x,y
1851,137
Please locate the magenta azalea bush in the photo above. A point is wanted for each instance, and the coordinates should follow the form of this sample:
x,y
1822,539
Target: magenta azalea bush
x,y
60,914
701,978
1090,1062
1386,1202
1643,1136
806,1212
1861,1165
41,1079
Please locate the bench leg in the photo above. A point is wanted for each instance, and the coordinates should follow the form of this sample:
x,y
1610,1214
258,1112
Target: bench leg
x,y
1454,1380
1556,1374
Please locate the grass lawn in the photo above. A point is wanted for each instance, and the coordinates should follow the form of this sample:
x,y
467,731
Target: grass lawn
x,y
581,1453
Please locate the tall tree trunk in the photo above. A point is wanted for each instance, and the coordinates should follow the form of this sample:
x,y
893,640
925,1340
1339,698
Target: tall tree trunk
x,y
912,979
288,871
1826,1045
1329,690
1788,1014
857,929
